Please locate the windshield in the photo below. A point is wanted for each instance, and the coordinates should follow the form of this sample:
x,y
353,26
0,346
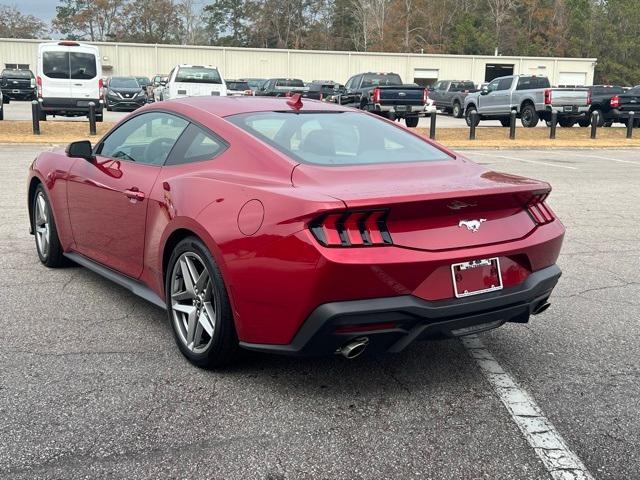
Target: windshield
x,y
198,75
289,82
255,83
143,81
238,86
381,79
337,138
123,82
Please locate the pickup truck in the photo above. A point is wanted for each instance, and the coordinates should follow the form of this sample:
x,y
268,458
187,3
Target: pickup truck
x,y
18,84
624,103
601,96
449,95
531,97
281,87
385,95
194,81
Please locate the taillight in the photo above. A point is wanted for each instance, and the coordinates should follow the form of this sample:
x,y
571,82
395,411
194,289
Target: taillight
x,y
615,101
375,96
547,96
352,229
39,83
288,94
588,97
538,210
100,83
248,93
425,96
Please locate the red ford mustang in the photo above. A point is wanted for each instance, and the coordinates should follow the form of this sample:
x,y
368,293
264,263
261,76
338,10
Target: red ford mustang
x,y
301,229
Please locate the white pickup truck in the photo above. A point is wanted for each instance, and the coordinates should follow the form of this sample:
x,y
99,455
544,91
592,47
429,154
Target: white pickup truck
x,y
531,97
194,81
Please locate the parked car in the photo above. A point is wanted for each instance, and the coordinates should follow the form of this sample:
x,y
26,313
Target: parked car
x,y
194,81
624,103
159,82
531,97
124,93
18,84
281,87
254,83
238,88
600,98
385,94
145,83
320,90
69,77
449,95
329,231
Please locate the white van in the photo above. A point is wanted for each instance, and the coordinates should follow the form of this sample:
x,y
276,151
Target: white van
x,y
69,76
194,81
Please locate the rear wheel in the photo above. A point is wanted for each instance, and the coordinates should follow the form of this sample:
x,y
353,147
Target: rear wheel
x,y
584,122
198,306
528,116
43,117
44,229
505,122
457,110
412,122
566,122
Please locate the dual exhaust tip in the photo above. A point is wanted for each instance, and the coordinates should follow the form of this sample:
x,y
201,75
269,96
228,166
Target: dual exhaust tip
x,y
541,308
354,348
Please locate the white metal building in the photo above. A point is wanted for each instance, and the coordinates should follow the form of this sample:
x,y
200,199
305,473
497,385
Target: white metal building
x,y
145,59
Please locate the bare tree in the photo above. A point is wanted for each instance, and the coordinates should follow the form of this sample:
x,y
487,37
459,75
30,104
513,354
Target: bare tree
x,y
15,24
501,10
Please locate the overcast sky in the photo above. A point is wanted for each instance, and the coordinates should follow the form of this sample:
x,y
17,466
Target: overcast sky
x,y
44,9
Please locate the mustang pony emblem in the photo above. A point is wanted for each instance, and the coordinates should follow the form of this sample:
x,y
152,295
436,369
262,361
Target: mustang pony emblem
x,y
472,225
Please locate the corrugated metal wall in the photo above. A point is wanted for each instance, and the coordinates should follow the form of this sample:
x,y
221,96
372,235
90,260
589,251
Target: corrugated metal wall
x,y
139,59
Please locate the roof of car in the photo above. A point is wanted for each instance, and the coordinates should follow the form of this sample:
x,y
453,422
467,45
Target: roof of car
x,y
226,106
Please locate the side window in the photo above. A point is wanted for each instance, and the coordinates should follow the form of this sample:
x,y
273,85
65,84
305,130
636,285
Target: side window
x,y
356,82
443,86
505,84
147,138
493,86
195,145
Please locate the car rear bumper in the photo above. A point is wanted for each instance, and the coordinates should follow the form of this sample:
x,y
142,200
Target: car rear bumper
x,y
568,110
69,106
399,110
390,324
19,93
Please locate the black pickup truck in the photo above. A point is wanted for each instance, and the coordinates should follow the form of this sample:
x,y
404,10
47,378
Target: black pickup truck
x,y
280,87
621,105
600,96
18,84
448,95
386,95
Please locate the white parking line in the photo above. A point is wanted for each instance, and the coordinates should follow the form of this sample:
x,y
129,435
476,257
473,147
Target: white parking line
x,y
542,436
637,164
525,160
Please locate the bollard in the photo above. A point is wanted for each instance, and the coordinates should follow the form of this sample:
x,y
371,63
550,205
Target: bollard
x,y
92,118
432,125
595,118
630,121
35,117
512,125
473,116
554,124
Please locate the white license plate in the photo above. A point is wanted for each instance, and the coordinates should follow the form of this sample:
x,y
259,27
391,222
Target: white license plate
x,y
476,277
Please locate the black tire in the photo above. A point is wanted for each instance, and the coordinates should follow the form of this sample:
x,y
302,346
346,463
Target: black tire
x,y
566,122
411,122
1,113
388,115
52,256
43,117
109,109
608,124
467,115
584,122
99,117
456,111
505,122
223,347
528,116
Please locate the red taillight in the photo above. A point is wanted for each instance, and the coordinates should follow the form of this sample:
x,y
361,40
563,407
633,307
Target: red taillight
x,y
68,43
352,229
425,96
375,96
547,96
588,97
538,210
615,101
39,84
100,84
248,93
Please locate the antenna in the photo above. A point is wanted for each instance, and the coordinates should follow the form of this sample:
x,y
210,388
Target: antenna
x,y
295,101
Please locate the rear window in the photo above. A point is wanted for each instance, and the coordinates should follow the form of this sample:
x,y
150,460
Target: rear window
x,y
607,90
17,73
83,66
325,88
461,86
526,83
198,75
289,82
337,138
55,64
238,86
634,91
123,82
381,79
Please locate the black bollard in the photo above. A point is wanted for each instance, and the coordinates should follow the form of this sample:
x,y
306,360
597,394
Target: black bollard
x,y
595,118
35,116
92,118
554,124
512,125
432,125
630,121
473,116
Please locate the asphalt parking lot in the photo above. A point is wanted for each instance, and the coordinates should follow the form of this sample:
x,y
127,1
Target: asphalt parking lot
x,y
92,385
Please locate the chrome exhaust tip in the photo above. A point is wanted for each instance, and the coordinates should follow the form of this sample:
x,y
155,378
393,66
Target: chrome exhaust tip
x,y
354,348
541,308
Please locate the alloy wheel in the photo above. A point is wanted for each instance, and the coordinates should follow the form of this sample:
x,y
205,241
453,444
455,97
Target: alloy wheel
x,y
194,302
42,228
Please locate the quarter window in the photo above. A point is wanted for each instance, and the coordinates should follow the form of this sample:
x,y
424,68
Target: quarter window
x,y
146,138
195,145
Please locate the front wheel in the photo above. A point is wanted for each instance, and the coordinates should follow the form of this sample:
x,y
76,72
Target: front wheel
x,y
198,306
468,115
44,229
412,122
457,110
528,116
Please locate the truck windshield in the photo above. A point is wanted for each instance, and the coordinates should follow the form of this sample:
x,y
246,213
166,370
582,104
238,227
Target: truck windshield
x,y
381,79
337,138
198,75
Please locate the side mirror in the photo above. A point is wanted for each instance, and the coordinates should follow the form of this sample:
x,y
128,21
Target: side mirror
x,y
81,149
484,91
163,83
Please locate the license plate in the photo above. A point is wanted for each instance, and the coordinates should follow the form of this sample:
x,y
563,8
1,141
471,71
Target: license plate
x,y
400,108
476,277
570,108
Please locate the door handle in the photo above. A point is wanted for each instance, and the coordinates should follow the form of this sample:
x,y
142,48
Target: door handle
x,y
134,194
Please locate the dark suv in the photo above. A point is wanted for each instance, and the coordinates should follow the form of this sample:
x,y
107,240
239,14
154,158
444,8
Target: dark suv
x,y
18,84
124,93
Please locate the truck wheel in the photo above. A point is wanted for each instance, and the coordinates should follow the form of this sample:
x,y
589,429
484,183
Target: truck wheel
x,y
528,116
457,110
99,117
505,122
43,116
388,115
468,113
584,122
412,122
566,122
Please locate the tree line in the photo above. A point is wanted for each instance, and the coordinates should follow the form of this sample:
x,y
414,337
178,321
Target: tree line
x,y
606,29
